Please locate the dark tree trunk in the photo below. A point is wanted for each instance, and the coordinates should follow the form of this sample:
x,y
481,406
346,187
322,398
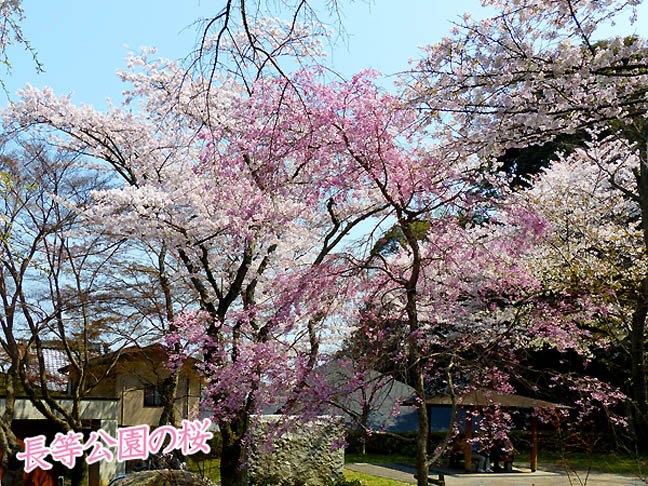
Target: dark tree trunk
x,y
638,331
423,432
232,467
12,469
638,355
414,353
169,386
168,389
363,424
79,472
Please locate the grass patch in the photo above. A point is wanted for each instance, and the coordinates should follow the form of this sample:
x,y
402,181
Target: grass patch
x,y
369,479
607,462
208,468
379,459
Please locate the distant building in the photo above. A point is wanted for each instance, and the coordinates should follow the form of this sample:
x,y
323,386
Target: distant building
x,y
127,392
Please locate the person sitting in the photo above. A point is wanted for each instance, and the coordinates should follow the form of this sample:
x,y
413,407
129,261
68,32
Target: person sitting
x,y
481,456
503,453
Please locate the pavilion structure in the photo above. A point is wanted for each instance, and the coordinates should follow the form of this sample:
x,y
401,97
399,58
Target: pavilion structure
x,y
487,398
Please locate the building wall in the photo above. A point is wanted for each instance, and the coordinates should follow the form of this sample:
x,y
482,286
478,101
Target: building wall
x,y
91,409
127,380
108,470
130,390
99,413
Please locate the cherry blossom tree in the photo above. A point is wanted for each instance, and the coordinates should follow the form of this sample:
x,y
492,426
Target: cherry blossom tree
x,y
252,205
254,187
256,202
531,73
594,250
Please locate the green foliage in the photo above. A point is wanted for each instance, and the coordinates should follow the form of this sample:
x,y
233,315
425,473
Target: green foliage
x,y
523,162
381,444
394,239
348,482
358,478
215,449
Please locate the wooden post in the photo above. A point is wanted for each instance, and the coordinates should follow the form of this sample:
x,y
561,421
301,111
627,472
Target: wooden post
x,y
468,448
534,443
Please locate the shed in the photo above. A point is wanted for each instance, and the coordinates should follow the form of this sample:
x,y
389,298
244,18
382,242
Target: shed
x,y
486,398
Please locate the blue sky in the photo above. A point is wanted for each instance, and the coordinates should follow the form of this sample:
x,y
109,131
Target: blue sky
x,y
81,42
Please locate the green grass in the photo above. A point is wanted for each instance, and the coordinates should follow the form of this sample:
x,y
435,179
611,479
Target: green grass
x,y
607,462
369,479
209,468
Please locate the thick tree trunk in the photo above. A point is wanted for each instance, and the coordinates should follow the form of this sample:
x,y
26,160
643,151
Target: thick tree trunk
x,y
363,424
12,469
422,438
79,472
638,331
414,353
638,358
232,467
168,389
169,386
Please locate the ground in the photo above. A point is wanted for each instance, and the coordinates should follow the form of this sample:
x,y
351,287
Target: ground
x,y
391,470
547,475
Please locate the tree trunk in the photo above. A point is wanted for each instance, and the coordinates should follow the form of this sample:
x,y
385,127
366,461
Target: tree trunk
x,y
638,357
638,331
12,469
169,386
423,419
423,431
363,423
80,471
168,389
414,353
234,471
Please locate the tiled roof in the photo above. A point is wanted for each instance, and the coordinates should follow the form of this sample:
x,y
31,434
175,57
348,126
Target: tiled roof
x,y
55,359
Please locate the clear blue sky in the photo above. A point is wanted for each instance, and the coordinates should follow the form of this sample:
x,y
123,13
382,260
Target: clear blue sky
x,y
81,42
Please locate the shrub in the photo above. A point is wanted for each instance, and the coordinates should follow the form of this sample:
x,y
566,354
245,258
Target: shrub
x,y
380,444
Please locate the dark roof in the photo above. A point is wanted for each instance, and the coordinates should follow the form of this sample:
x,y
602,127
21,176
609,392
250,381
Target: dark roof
x,y
486,398
155,351
124,353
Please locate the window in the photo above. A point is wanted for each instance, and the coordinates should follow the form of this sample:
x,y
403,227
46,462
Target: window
x,y
152,396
